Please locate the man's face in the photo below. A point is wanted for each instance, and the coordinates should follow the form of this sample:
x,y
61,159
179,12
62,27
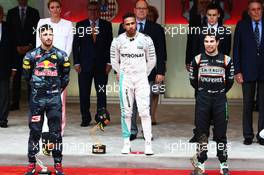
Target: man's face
x,y
130,26
22,2
55,9
210,44
141,10
93,12
212,16
255,11
46,37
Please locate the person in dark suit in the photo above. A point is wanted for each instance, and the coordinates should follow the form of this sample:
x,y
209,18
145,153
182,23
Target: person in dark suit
x,y
22,22
248,62
156,32
91,54
7,68
202,21
213,15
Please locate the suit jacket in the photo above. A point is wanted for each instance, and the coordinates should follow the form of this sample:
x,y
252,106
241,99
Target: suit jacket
x,y
92,57
246,60
6,58
156,32
198,43
23,36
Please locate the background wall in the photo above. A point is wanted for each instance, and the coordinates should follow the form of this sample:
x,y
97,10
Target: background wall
x,y
178,89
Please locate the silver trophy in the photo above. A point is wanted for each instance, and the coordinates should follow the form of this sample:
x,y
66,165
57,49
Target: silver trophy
x,y
44,170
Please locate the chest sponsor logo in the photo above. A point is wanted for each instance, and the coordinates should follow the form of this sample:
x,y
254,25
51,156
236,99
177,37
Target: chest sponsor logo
x,y
132,55
211,71
46,68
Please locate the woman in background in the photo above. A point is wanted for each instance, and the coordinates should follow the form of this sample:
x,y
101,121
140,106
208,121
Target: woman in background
x,y
63,38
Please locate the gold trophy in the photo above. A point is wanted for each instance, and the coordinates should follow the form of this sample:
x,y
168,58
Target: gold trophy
x,y
102,119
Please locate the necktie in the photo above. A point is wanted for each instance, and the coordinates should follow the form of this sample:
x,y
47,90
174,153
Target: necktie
x,y
23,17
257,37
141,27
93,32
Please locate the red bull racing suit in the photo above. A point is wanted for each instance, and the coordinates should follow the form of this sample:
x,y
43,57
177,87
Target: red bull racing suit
x,y
47,72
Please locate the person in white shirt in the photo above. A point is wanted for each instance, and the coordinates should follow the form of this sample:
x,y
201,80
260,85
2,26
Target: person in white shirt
x,y
63,38
133,57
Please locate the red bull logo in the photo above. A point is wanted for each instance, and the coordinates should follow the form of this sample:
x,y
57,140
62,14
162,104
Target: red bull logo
x,y
46,65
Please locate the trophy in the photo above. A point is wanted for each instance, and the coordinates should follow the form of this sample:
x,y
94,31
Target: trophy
x,y
44,170
102,119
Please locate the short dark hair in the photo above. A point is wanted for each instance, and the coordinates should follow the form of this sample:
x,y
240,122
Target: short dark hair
x,y
257,1
154,11
93,3
50,1
213,6
128,15
45,27
212,32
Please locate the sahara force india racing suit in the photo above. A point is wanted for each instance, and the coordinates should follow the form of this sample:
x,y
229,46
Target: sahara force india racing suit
x,y
133,59
212,77
47,72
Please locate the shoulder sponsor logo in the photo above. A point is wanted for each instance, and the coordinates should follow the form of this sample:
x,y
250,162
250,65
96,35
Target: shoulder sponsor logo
x,y
54,57
219,61
66,64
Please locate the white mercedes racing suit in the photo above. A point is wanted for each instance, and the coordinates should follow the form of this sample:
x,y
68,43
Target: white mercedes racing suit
x,y
133,59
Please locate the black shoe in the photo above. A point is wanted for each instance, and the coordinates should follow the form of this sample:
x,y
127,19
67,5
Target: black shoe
x,y
261,141
193,139
133,137
154,123
85,124
14,107
248,141
3,125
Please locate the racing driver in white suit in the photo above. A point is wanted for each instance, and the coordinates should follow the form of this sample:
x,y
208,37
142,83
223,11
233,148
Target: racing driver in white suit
x,y
133,57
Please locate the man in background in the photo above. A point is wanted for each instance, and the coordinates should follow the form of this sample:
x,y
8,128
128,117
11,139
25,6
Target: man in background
x,y
7,68
22,22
